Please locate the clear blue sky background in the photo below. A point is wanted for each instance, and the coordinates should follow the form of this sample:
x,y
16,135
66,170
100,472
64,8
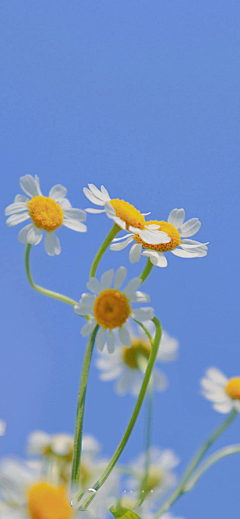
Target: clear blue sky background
x,y
143,97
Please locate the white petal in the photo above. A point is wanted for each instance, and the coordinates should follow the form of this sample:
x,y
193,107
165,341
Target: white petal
x,y
124,336
94,285
121,245
219,396
132,286
105,193
110,341
75,225
51,244
23,234
139,297
118,221
75,214
34,235
82,309
30,186
96,191
110,211
100,338
120,277
88,299
107,278
217,376
152,254
65,204
151,237
161,260
15,219
57,192
185,254
17,207
176,217
160,380
135,253
122,238
20,198
225,407
142,314
111,375
124,382
168,348
94,211
3,427
88,327
92,198
190,227
193,244
37,442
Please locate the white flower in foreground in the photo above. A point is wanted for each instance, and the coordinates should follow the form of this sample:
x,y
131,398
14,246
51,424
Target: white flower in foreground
x,y
179,244
110,308
222,391
127,365
46,214
3,427
160,473
125,215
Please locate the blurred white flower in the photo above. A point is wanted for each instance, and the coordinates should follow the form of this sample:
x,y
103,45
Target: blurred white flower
x,y
3,427
222,391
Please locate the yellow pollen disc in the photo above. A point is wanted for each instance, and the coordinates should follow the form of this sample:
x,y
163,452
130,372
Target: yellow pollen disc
x,y
162,247
154,479
128,213
111,309
233,388
47,502
45,213
138,348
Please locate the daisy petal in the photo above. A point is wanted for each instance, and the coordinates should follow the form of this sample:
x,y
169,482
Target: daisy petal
x,y
57,192
34,235
20,198
96,191
133,285
118,221
225,407
110,211
190,227
105,193
121,245
75,214
110,341
51,244
88,299
94,211
91,197
120,277
94,286
88,327
107,278
139,297
100,338
176,217
135,253
64,204
82,309
160,380
16,207
30,186
124,336
186,254
142,314
75,225
15,219
217,376
23,234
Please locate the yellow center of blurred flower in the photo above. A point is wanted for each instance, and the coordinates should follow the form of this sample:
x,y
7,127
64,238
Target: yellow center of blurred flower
x,y
128,213
128,502
84,476
233,388
45,213
138,348
47,502
162,247
111,309
154,479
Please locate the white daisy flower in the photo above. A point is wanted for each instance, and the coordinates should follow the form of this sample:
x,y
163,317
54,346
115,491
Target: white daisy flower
x,y
125,215
46,214
3,427
179,243
160,473
127,365
110,308
40,443
222,391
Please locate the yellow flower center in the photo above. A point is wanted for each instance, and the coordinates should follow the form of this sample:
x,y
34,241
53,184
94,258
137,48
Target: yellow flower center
x,y
45,213
47,502
111,308
233,388
131,355
128,502
128,213
154,479
162,247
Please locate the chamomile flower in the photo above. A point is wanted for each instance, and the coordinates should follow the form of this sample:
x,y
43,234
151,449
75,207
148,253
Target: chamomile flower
x,y
223,392
46,214
127,365
179,243
110,308
125,215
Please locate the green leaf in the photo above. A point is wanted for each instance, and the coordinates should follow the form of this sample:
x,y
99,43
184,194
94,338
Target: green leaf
x,y
124,513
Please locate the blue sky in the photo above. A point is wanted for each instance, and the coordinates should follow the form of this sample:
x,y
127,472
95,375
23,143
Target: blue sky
x,y
142,97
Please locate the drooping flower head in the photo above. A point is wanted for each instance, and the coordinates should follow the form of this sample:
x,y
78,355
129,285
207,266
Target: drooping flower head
x,y
46,214
179,244
110,308
222,391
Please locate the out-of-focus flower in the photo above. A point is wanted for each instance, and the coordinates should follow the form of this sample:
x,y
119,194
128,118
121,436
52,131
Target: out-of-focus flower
x,y
222,391
127,365
110,308
3,427
179,244
46,214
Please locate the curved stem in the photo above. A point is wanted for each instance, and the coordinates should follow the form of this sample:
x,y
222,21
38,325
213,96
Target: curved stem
x,y
181,489
148,442
114,231
222,453
146,271
42,290
77,448
133,419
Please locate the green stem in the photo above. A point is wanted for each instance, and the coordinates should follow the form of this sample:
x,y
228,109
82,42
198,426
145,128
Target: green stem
x,y
148,443
114,231
222,453
42,290
133,419
146,271
77,448
181,489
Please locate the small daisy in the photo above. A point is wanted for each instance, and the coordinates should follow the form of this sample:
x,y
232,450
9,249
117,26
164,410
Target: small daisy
x,y
160,473
110,308
46,213
125,215
179,244
222,391
127,365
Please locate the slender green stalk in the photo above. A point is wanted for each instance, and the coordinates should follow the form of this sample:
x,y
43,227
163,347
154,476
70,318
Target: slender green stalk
x,y
114,231
222,453
182,487
133,419
146,271
148,442
77,448
42,290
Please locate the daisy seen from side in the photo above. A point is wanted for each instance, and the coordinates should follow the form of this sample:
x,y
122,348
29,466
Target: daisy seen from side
x,y
223,392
